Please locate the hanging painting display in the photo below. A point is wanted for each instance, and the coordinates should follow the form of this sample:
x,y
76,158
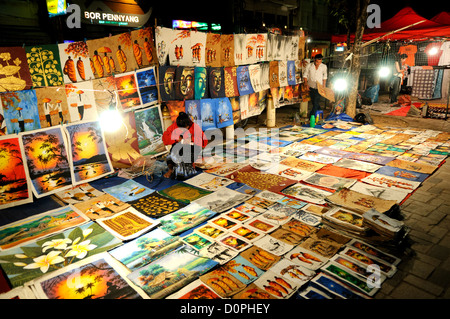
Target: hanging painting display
x,y
81,101
75,62
52,106
216,82
89,159
243,80
230,79
163,43
15,77
167,82
15,188
179,48
239,49
175,107
144,50
227,45
44,64
224,112
193,109
47,161
149,128
184,83
208,113
213,50
147,86
198,48
20,111
201,88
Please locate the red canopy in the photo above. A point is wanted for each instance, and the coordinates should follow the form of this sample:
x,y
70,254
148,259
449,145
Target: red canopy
x,y
442,18
405,17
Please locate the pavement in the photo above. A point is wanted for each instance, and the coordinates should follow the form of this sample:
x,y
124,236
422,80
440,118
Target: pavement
x,y
424,272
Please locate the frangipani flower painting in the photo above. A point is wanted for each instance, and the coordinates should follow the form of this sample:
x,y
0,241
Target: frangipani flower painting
x,y
47,161
52,253
89,157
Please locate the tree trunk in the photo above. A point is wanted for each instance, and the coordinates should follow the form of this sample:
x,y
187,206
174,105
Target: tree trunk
x,y
355,69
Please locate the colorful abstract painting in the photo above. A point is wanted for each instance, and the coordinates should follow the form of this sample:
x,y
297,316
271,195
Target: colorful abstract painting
x,y
15,188
149,128
148,89
88,154
20,111
14,71
47,161
22,264
44,64
97,277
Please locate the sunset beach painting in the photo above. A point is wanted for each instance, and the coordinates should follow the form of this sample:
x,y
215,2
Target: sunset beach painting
x,y
47,161
88,153
14,186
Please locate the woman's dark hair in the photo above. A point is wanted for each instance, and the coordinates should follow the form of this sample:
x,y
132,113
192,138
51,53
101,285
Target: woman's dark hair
x,y
183,120
403,56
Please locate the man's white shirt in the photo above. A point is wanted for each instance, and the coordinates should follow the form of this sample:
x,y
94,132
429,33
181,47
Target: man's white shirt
x,y
313,75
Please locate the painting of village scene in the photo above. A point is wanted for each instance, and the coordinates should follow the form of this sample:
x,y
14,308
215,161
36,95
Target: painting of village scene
x,y
14,187
20,111
88,152
96,279
149,129
47,161
171,272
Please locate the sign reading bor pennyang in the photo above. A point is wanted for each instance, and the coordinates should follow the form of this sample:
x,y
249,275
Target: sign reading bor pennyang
x,y
111,17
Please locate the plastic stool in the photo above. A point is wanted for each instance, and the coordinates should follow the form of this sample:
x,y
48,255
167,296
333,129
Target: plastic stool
x,y
319,117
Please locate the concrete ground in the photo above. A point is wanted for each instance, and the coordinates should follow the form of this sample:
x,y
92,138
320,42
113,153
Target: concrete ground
x,y
424,272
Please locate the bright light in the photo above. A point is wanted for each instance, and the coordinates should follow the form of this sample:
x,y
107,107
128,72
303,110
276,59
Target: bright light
x,y
110,120
340,85
433,51
384,72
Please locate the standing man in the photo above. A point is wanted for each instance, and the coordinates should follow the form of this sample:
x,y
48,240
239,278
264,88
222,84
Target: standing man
x,y
315,73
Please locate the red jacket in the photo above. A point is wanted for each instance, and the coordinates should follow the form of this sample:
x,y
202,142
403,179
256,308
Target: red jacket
x,y
173,133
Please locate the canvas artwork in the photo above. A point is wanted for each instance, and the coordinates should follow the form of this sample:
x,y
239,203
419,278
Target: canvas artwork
x,y
78,194
201,85
47,161
327,181
345,220
208,181
30,261
334,287
149,128
167,82
196,241
300,228
81,101
127,91
289,172
208,114
147,86
412,166
20,111
101,206
96,277
193,109
402,173
234,242
175,107
357,165
145,249
15,186
185,218
273,75
164,276
216,82
44,64
184,192
213,50
52,106
195,290
290,271
391,182
210,231
179,48
15,74
128,191
274,245
222,200
184,83
75,62
277,214
227,45
163,43
144,50
224,112
38,226
230,81
105,94
156,205
88,154
279,287
302,164
307,193
255,74
282,73
319,158
380,192
380,160
127,224
239,49
243,80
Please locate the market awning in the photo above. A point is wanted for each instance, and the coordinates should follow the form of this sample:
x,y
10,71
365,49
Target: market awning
x,y
423,30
